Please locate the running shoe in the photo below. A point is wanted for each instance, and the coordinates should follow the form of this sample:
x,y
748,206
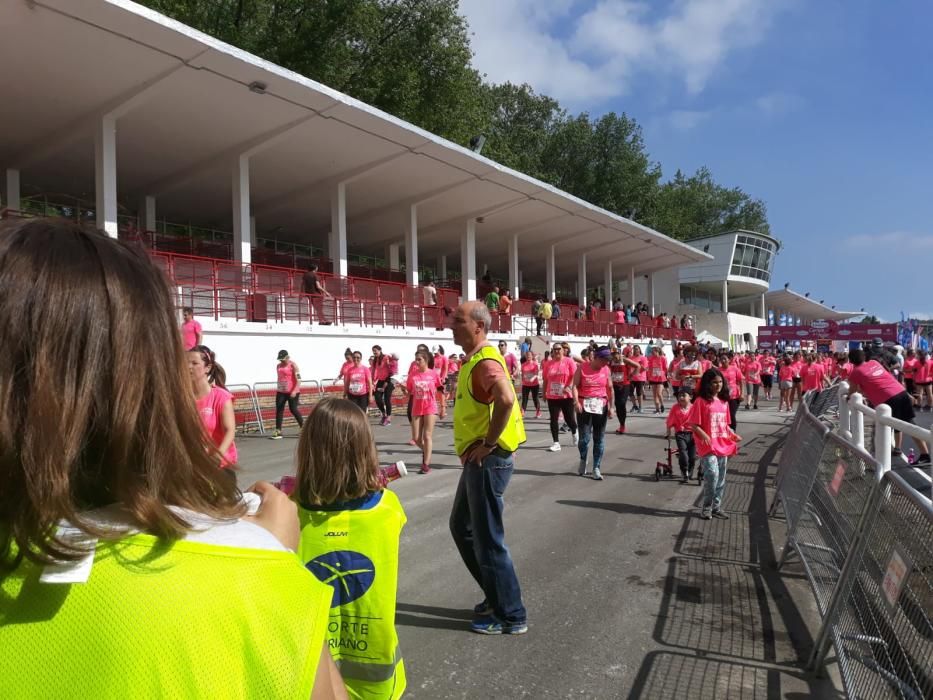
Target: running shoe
x,y
755,407
597,475
576,439
719,514
581,470
705,514
276,435
388,421
537,414
620,430
488,624
554,448
425,469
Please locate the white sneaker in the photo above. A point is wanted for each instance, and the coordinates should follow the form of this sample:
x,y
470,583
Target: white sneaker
x,y
554,448
576,439
582,470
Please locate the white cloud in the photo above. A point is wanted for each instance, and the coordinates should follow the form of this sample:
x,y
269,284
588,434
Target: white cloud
x,y
581,52
894,241
685,119
778,103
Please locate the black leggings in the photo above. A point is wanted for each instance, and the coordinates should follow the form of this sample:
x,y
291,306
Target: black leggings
x,y
282,398
733,410
638,393
557,406
533,392
383,396
754,392
621,396
361,400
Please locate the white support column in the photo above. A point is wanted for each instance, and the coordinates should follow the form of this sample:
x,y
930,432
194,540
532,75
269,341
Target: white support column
x,y
442,267
607,285
521,281
631,287
337,241
513,267
651,293
411,246
581,280
148,219
393,257
725,297
764,310
105,175
242,251
252,231
551,275
12,190
468,261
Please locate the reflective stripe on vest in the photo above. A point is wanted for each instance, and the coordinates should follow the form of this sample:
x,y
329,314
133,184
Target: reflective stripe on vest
x,y
355,552
471,417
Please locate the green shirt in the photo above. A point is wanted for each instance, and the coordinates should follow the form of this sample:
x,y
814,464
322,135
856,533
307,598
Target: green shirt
x,y
492,301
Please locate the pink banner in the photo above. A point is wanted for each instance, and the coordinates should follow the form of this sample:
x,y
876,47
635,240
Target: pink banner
x,y
768,336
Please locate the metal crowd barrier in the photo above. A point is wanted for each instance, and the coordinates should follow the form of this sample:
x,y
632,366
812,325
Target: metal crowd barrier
x,y
245,408
864,535
264,392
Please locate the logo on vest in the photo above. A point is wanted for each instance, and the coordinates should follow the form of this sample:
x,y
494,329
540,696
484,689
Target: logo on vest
x,y
350,574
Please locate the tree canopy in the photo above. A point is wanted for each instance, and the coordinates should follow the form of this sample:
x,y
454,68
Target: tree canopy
x,y
412,59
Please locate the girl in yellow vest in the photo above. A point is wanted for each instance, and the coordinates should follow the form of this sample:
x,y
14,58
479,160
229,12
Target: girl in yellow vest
x,y
350,529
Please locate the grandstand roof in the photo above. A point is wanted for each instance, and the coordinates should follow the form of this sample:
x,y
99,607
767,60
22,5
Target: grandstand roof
x,y
792,302
187,105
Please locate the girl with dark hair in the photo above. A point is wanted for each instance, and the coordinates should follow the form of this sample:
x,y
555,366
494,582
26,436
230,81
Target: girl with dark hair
x,y
422,386
413,367
440,366
715,440
214,402
732,375
117,492
358,383
347,364
382,371
530,382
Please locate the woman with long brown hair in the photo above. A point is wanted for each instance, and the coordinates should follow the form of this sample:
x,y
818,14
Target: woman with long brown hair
x,y
126,558
214,402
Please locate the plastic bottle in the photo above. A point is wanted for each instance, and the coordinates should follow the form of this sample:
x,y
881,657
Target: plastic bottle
x,y
911,456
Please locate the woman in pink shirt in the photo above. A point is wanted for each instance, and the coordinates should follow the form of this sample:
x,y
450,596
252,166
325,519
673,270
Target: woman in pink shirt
x,y
358,383
558,375
910,370
753,380
768,365
287,388
657,376
592,396
530,383
923,378
422,385
732,375
383,368
440,366
786,374
879,386
638,375
347,364
715,440
214,402
798,365
814,376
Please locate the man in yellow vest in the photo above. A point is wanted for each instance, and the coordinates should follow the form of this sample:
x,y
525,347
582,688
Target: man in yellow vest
x,y
488,429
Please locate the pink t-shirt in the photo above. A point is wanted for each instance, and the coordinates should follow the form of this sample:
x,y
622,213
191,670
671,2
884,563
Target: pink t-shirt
x,y
753,372
639,375
511,363
786,373
594,382
382,370
924,372
211,410
705,365
344,368
558,376
620,316
358,380
287,381
618,375
768,364
910,367
189,333
733,377
657,369
677,418
530,373
813,374
875,382
440,365
843,371
423,388
713,418
689,373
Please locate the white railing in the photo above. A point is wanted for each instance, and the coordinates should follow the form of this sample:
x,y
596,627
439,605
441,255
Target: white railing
x,y
852,414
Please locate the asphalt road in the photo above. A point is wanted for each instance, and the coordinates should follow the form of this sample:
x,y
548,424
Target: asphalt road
x,y
629,593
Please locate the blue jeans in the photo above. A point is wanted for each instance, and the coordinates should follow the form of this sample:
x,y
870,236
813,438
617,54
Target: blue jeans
x,y
478,531
714,480
592,424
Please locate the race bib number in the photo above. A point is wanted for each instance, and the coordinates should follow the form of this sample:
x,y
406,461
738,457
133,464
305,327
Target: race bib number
x,y
357,388
618,377
557,388
529,376
594,404
283,387
656,372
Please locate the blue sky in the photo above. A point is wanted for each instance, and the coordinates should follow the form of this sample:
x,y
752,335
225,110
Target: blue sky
x,y
823,109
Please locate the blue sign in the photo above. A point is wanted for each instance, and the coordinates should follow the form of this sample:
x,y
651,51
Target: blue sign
x,y
350,574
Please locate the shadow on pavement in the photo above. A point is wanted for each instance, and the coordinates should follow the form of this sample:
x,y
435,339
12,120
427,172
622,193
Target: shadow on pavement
x,y
430,617
624,508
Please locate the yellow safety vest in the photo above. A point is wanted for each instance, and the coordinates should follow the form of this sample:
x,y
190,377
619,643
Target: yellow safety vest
x,y
186,620
471,417
355,552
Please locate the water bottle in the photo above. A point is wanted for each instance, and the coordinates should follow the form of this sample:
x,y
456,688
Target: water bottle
x,y
911,456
